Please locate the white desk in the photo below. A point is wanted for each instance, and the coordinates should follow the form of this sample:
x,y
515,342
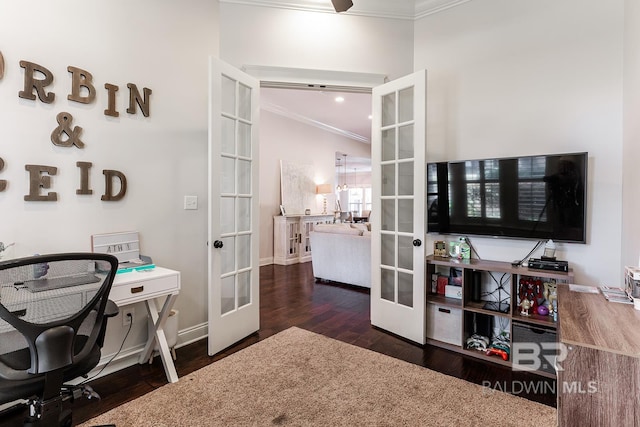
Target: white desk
x,y
146,285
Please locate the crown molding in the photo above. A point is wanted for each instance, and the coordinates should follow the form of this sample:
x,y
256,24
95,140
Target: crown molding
x,y
430,7
396,9
276,109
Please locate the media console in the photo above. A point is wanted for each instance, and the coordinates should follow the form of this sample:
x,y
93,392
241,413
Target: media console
x,y
484,309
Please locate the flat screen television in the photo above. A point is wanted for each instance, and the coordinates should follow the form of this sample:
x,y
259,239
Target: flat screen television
x,y
533,197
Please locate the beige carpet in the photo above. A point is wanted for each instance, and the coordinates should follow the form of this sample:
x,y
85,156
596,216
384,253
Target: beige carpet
x,y
300,378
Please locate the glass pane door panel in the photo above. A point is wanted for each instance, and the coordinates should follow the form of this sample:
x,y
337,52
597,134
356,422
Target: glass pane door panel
x,y
398,302
244,214
389,109
244,177
405,289
405,252
228,178
227,294
244,288
405,215
388,284
389,180
405,142
244,139
228,255
388,218
233,278
388,250
228,96
244,251
227,215
405,105
244,102
405,179
228,136
388,144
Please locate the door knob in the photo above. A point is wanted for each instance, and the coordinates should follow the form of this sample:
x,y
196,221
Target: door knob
x,y
417,242
218,244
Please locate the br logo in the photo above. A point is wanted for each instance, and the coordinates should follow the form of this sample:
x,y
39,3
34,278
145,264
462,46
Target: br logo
x,y
531,356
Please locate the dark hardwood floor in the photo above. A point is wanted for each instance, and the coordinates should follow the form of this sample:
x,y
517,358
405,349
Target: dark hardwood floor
x,y
289,296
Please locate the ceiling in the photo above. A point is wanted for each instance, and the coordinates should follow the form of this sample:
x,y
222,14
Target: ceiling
x,y
318,108
397,9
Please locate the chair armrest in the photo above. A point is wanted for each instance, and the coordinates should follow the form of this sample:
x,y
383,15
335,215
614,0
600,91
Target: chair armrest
x,y
111,310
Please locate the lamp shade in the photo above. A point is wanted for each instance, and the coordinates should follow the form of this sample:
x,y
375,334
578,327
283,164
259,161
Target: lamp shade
x,y
324,189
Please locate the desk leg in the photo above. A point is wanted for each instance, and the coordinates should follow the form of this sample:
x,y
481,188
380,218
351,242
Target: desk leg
x,y
159,320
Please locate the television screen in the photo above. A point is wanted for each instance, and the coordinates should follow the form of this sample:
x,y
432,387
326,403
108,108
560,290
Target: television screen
x,y
533,197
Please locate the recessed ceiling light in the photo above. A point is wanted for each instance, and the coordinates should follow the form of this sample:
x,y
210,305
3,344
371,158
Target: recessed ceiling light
x,y
339,99
370,117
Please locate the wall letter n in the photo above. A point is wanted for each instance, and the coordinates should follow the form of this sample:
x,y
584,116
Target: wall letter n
x,y
134,97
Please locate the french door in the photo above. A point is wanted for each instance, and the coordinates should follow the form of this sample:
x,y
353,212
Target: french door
x,y
398,173
233,259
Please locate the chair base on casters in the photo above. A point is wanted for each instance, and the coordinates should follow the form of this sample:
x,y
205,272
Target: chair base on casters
x,y
45,413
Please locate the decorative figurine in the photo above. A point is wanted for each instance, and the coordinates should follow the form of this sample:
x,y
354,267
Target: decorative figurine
x,y
551,295
530,290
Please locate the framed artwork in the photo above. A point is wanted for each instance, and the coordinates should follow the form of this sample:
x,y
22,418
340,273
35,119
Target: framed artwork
x,y
282,212
297,189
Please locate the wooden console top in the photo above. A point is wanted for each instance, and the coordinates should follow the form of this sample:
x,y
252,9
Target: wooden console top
x,y
588,320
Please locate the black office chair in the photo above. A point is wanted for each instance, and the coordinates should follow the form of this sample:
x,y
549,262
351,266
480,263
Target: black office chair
x,y
53,317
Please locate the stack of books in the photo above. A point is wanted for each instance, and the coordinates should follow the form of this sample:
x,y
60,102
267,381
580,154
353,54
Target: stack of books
x,y
613,294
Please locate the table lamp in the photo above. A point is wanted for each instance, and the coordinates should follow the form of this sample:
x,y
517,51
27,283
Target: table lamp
x,y
324,189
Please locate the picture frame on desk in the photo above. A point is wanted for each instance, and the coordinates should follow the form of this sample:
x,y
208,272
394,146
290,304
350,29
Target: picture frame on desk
x,y
282,211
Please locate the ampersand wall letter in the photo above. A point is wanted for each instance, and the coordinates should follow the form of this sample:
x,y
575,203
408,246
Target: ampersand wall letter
x,y
64,128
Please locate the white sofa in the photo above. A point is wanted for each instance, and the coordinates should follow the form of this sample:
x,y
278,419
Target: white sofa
x,y
342,253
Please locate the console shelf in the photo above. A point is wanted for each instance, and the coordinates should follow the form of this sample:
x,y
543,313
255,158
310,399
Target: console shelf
x,y
442,300
453,320
478,307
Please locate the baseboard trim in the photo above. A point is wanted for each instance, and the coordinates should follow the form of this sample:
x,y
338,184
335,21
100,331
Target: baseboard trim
x,y
266,261
129,356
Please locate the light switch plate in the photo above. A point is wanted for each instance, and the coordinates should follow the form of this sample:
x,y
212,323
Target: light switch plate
x,y
190,202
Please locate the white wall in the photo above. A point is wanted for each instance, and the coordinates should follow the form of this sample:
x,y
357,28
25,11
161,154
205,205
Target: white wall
x,y
522,78
286,139
160,45
631,146
323,41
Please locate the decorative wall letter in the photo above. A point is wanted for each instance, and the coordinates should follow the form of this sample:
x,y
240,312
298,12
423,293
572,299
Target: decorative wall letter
x,y
111,100
64,128
108,185
134,96
83,91
38,181
81,79
30,83
84,178
3,182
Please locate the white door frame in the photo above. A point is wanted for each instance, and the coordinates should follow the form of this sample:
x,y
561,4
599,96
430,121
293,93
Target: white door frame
x,y
240,275
389,312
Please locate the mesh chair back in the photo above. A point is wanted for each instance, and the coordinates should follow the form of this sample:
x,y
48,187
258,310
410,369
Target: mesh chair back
x,y
49,308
